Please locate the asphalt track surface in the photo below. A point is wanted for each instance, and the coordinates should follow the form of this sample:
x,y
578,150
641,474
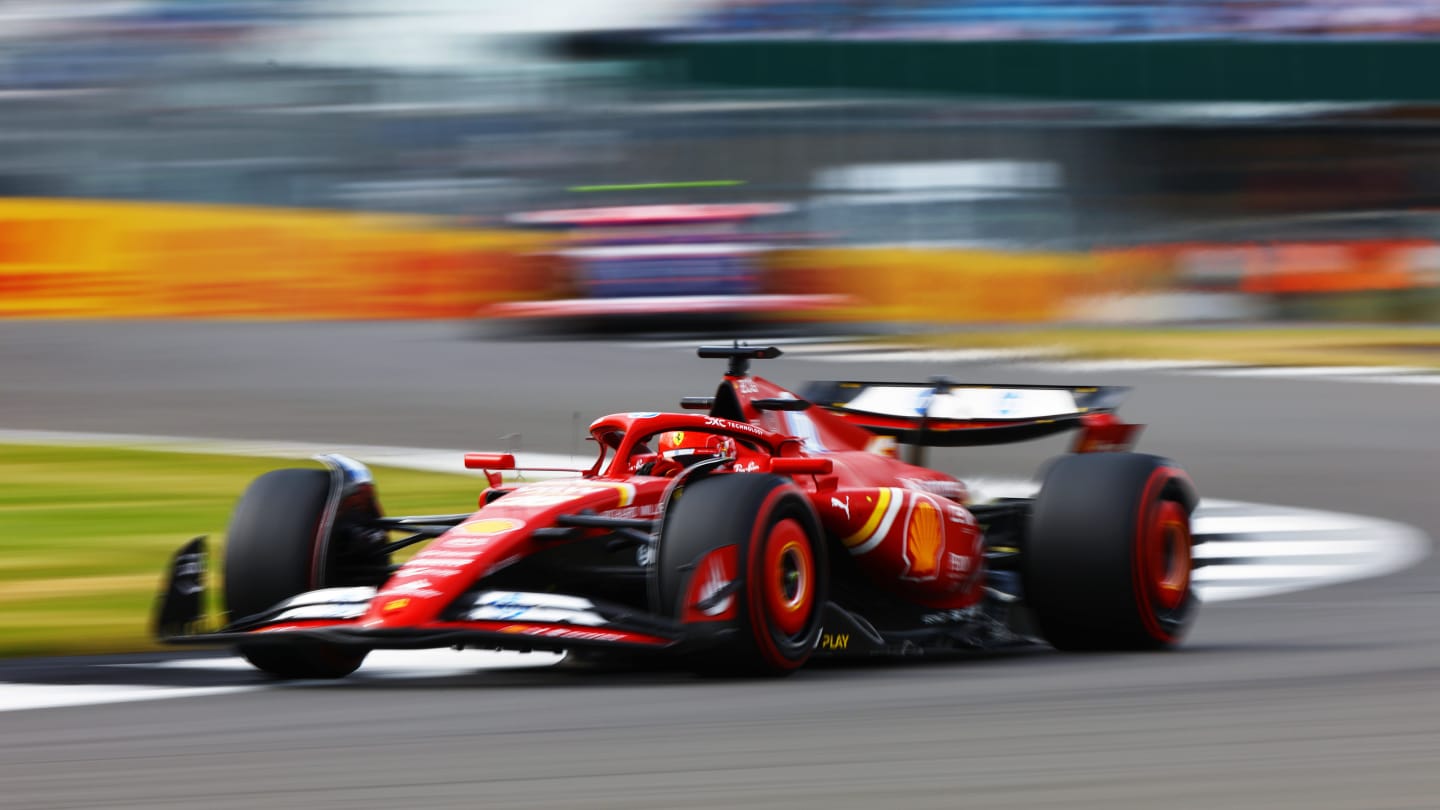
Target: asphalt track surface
x,y
1321,699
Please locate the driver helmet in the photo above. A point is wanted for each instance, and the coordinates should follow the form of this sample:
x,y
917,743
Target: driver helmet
x,y
688,447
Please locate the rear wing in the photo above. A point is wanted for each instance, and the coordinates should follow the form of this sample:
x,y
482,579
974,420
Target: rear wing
x,y
945,414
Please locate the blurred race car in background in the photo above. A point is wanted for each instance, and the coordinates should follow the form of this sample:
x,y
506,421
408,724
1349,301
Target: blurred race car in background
x,y
745,538
660,266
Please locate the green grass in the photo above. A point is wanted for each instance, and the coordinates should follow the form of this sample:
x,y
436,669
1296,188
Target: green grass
x,y
86,533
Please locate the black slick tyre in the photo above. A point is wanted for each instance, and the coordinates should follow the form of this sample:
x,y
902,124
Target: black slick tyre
x,y
270,555
742,563
1107,557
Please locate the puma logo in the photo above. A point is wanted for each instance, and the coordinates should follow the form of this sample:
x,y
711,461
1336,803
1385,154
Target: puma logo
x,y
843,506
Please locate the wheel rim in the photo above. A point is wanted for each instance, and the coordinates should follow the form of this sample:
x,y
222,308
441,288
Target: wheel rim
x,y
789,577
1168,556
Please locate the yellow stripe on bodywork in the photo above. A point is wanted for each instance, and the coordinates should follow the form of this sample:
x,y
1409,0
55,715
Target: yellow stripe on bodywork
x,y
625,491
872,523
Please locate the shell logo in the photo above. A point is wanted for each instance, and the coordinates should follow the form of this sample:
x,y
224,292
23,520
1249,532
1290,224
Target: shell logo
x,y
488,526
924,540
396,604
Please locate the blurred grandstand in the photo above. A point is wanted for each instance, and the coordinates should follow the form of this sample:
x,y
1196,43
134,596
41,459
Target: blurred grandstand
x,y
1045,19
472,114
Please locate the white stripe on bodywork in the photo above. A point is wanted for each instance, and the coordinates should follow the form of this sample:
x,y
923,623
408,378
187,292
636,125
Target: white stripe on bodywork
x,y
897,496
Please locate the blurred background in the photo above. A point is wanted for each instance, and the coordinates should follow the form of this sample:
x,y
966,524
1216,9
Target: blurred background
x,y
911,165
989,184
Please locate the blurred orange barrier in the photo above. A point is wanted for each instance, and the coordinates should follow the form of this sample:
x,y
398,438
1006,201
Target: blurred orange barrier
x,y
942,286
89,259
1288,268
101,259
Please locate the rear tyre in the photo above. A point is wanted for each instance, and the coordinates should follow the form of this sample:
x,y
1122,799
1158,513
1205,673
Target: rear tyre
x,y
270,556
1107,558
767,618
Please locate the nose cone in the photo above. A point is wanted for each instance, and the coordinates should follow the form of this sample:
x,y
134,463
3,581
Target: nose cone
x,y
425,585
501,531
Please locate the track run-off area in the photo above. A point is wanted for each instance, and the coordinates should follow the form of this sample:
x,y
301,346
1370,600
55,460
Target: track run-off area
x,y
1307,681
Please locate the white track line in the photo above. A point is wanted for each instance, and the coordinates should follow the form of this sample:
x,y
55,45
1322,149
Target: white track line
x,y
1430,378
390,664
1291,372
857,349
1118,365
379,666
935,356
785,342
23,696
1052,360
410,458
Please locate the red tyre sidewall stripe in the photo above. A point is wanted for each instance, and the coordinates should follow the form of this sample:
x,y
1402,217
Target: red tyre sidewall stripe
x,y
790,615
755,589
1141,552
1171,514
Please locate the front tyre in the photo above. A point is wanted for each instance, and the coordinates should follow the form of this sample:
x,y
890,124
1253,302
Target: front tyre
x,y
1107,558
270,555
742,562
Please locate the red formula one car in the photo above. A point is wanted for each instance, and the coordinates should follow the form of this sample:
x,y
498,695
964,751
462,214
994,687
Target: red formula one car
x,y
749,538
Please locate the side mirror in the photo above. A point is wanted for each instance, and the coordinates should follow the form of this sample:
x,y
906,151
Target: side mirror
x,y
801,466
489,461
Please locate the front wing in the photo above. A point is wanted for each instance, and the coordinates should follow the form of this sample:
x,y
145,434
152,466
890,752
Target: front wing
x,y
489,635
495,620
527,621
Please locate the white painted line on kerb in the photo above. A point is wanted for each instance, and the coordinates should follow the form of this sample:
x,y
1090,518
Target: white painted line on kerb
x,y
1271,550
1234,574
1283,522
1234,549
